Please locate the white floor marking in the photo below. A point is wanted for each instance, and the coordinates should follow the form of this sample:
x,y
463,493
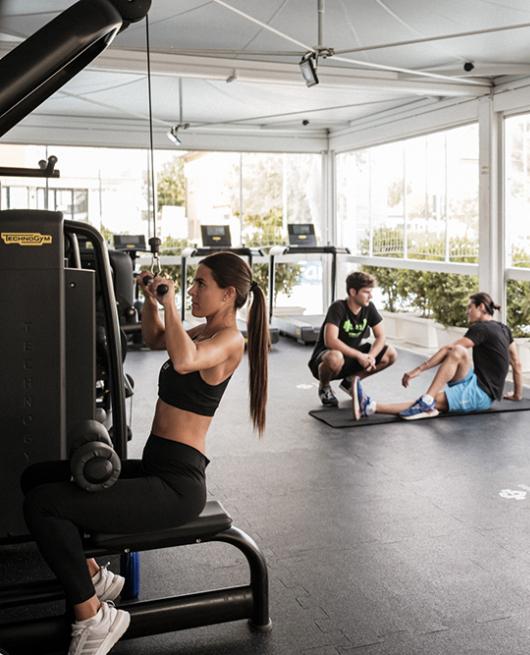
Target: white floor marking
x,y
513,494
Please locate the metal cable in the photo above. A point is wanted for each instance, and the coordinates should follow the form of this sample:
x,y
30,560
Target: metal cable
x,y
148,52
156,262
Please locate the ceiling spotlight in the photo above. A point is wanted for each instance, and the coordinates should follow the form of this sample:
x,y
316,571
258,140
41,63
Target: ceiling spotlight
x,y
173,133
308,67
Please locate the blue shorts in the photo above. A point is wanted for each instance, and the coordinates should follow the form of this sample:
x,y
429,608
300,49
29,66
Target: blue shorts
x,y
466,396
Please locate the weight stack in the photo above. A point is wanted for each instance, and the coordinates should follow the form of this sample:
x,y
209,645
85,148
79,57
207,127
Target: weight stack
x,y
32,346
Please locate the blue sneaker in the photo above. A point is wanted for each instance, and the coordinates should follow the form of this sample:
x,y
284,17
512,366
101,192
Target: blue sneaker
x,y
363,405
420,409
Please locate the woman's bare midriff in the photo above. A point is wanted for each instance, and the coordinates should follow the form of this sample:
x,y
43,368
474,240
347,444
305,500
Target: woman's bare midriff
x,y
182,426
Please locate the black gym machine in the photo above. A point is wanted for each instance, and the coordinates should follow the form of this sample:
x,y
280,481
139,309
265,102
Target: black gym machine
x,y
48,403
123,261
48,376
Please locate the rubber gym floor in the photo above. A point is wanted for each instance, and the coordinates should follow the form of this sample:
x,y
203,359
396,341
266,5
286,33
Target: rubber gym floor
x,y
396,539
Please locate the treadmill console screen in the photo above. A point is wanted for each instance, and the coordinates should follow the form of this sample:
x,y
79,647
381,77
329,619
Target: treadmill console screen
x,y
302,234
129,241
84,243
215,236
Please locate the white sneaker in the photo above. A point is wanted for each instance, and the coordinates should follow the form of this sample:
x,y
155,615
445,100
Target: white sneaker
x,y
108,585
96,636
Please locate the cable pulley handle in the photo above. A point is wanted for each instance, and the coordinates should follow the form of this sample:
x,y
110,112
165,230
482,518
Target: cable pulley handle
x,y
161,289
154,245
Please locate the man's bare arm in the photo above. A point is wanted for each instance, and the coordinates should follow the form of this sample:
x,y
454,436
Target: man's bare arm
x,y
517,372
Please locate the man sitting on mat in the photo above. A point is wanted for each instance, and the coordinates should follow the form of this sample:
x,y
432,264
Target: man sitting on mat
x,y
338,352
458,386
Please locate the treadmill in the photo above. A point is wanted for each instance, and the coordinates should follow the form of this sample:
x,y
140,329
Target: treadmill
x,y
217,238
305,328
130,243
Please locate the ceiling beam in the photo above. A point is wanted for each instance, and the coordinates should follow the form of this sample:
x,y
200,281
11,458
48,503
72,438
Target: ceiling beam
x,y
133,133
483,69
213,68
246,71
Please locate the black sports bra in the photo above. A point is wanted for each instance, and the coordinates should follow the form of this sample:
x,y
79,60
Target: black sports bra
x,y
189,391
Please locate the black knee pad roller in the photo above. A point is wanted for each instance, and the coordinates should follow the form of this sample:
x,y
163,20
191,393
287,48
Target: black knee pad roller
x,y
94,463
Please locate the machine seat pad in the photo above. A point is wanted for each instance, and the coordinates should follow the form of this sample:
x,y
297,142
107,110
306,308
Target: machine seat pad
x,y
212,520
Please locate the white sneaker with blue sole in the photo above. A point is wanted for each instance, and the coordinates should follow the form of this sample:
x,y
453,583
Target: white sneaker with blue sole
x,y
363,405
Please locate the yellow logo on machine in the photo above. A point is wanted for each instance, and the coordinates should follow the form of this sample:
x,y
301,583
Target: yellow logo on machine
x,y
26,239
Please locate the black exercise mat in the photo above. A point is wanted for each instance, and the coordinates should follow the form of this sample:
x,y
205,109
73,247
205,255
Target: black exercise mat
x,y
341,417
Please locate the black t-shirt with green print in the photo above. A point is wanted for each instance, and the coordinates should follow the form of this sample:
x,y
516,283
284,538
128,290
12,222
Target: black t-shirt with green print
x,y
352,328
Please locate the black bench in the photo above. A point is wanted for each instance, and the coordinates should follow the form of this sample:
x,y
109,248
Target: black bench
x,y
151,616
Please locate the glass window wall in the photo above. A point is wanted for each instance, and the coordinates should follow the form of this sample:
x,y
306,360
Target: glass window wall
x,y
256,195
415,199
517,191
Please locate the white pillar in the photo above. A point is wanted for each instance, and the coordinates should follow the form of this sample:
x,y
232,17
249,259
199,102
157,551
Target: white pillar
x,y
491,214
329,221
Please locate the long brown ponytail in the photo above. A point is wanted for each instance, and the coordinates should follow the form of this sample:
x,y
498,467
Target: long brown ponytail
x,y
258,346
229,270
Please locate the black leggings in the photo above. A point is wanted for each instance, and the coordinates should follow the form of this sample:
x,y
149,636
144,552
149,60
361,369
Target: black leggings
x,y
164,489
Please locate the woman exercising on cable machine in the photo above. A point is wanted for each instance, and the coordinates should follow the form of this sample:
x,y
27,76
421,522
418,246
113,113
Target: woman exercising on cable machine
x,y
167,487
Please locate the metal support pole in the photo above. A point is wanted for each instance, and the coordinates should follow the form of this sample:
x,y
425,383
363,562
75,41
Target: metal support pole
x,y
320,18
147,618
183,276
259,578
271,286
491,220
333,275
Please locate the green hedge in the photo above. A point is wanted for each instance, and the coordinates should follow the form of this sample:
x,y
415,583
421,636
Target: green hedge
x,y
444,296
518,294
